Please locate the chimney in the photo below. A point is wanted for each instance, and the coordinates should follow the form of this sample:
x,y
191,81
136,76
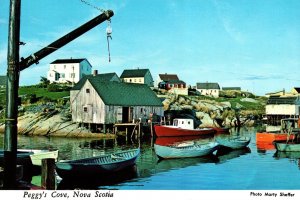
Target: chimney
x,y
95,72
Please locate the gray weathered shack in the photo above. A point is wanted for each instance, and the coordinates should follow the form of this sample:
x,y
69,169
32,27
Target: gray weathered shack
x,y
97,100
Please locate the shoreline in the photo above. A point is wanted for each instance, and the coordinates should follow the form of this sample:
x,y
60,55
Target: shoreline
x,y
31,124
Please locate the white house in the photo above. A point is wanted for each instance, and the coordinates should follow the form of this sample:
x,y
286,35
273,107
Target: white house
x,y
68,70
283,106
208,89
140,76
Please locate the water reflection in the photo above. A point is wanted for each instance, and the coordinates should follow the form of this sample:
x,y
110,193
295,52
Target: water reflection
x,y
99,181
293,157
189,173
224,154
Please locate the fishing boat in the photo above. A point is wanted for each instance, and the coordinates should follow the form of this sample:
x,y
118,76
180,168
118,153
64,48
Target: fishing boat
x,y
185,150
98,165
168,141
233,142
288,129
181,127
220,130
273,136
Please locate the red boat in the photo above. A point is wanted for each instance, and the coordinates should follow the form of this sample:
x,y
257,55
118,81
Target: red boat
x,y
220,130
167,141
181,127
288,125
273,136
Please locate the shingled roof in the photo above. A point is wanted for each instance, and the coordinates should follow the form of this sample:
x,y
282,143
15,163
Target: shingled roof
x,y
101,77
125,94
281,100
128,73
168,77
208,86
64,61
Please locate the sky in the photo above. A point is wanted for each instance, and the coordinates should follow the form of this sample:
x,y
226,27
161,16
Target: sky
x,y
252,44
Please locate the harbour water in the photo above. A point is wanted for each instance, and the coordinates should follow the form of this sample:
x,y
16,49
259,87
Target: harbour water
x,y
254,168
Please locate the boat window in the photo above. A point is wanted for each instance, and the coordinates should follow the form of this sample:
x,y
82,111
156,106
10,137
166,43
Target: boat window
x,y
189,122
87,90
182,122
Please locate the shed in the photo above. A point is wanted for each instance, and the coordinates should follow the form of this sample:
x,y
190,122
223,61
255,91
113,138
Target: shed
x,y
100,101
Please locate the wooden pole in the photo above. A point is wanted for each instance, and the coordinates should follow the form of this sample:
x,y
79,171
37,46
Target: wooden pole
x,y
48,174
12,86
34,58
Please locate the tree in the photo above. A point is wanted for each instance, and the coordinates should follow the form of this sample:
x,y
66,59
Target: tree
x,y
44,82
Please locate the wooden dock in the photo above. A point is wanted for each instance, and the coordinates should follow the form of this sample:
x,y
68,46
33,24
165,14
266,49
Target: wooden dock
x,y
136,128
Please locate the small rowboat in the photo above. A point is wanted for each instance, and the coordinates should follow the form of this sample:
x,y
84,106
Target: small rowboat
x,y
185,150
283,146
234,142
29,157
100,165
37,155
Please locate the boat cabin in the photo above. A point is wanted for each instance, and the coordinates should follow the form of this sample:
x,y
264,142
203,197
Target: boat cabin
x,y
183,123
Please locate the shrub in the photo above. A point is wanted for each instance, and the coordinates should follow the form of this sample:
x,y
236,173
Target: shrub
x,y
53,88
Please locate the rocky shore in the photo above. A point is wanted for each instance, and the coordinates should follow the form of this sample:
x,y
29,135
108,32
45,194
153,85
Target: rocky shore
x,y
214,113
51,119
52,122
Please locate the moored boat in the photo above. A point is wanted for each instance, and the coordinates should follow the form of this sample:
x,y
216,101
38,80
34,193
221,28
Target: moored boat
x,y
167,141
288,129
98,165
273,136
234,142
181,127
220,130
39,155
185,150
283,146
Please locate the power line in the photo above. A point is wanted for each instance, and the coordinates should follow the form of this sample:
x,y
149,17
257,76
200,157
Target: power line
x,y
93,6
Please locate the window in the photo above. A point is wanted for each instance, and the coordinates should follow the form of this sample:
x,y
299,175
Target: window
x,y
130,80
140,80
72,75
87,90
62,75
85,109
65,66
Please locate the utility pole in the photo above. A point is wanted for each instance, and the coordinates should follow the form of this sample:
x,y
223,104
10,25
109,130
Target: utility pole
x,y
12,86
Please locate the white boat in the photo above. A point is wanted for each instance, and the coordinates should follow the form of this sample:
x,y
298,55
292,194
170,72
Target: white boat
x,y
234,142
185,150
36,155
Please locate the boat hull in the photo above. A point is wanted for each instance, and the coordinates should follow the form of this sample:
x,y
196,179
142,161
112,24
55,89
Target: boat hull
x,y
167,152
101,165
169,131
273,136
287,147
234,143
219,130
